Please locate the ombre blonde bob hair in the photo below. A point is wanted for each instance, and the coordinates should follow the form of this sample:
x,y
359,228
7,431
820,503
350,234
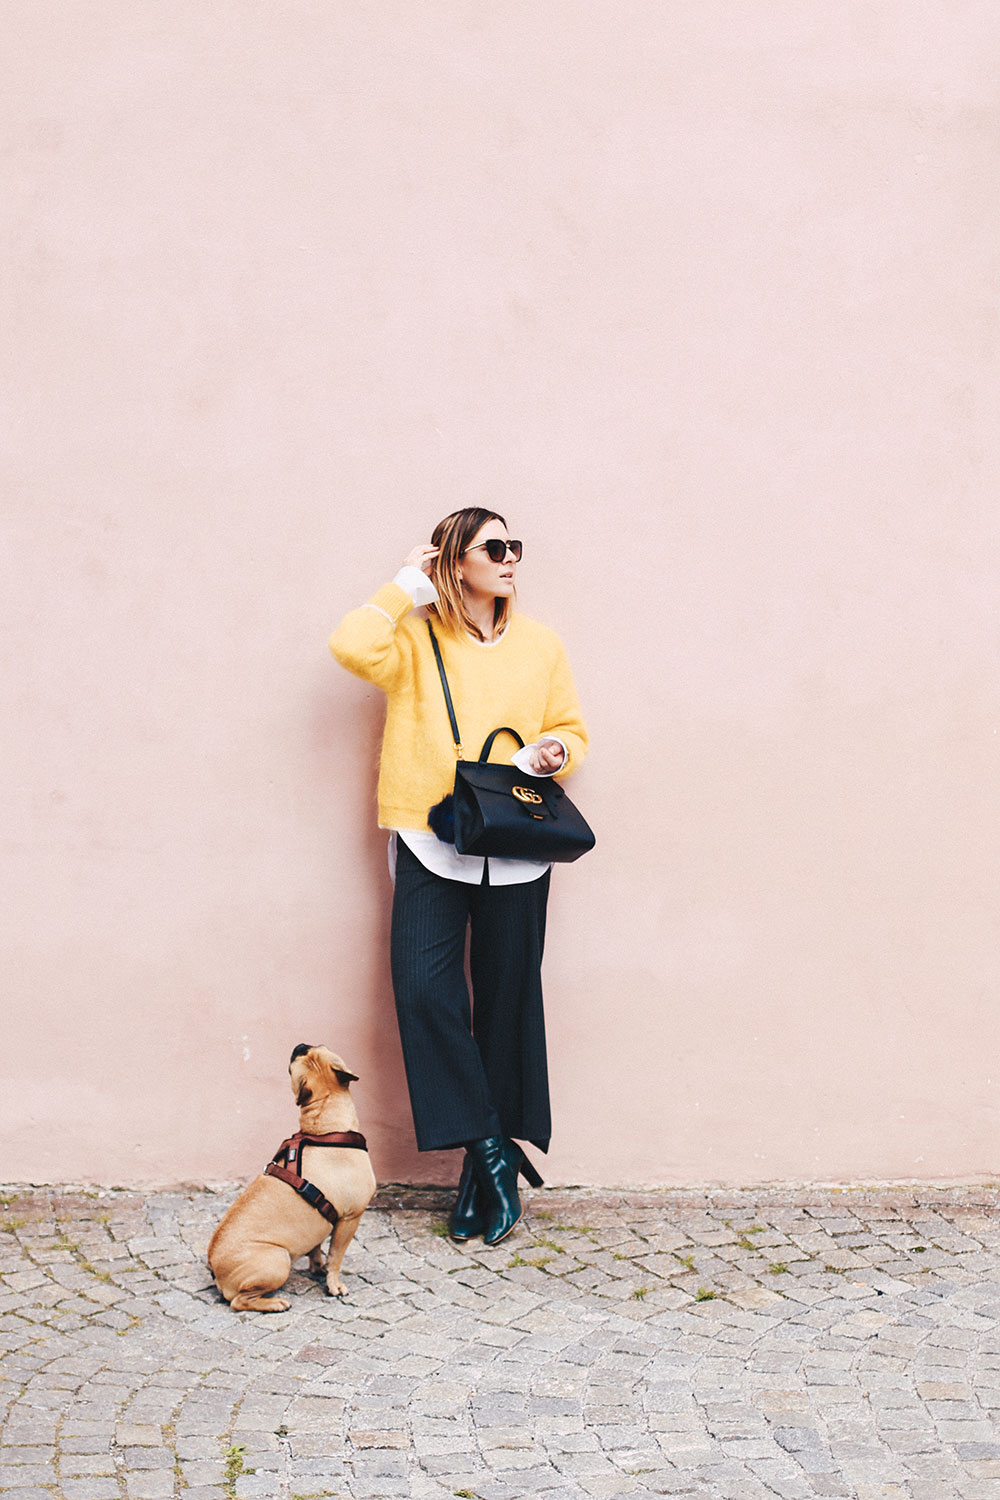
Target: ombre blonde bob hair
x,y
451,536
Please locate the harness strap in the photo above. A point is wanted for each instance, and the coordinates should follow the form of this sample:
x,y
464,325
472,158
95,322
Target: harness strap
x,y
286,1160
307,1190
288,1151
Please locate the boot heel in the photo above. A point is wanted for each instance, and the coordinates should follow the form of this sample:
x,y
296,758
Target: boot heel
x,y
520,1163
530,1172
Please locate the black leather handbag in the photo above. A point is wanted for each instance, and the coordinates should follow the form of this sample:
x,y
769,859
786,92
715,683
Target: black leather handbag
x,y
499,810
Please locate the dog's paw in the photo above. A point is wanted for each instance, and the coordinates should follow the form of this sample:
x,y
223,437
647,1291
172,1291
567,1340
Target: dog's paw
x,y
254,1302
336,1289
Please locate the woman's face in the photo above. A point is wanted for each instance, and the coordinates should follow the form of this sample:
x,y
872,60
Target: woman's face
x,y
478,575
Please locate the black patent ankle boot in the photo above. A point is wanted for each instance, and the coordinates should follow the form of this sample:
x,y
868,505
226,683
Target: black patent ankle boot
x,y
497,1187
466,1219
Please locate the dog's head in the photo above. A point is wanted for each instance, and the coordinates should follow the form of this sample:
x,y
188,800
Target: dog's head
x,y
316,1072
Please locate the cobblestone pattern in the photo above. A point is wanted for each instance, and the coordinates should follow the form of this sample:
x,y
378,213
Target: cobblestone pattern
x,y
733,1345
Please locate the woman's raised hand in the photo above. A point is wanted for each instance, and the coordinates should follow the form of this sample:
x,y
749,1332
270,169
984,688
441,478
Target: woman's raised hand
x,y
546,757
421,557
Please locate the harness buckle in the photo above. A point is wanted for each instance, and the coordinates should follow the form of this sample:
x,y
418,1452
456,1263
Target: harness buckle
x,y
311,1193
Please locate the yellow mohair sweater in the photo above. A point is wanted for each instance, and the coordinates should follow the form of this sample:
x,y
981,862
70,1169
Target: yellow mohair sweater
x,y
523,680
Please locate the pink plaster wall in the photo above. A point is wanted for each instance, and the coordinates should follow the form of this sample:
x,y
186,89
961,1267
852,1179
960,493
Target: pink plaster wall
x,y
704,298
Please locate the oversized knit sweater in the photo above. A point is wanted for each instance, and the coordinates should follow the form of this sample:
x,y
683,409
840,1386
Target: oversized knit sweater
x,y
523,680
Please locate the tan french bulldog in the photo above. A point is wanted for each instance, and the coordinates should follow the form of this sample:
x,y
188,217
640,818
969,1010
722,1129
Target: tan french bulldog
x,y
270,1225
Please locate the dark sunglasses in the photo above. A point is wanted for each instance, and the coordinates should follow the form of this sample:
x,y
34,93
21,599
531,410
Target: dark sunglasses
x,y
496,550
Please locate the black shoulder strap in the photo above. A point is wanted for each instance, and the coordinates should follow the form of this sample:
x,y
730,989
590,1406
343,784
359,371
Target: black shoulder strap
x,y
447,692
484,754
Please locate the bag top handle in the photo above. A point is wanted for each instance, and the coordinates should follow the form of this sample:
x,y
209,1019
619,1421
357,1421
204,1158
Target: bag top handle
x,y
484,753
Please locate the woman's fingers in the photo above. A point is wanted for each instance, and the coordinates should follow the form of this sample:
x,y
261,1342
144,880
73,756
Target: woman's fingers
x,y
421,557
547,756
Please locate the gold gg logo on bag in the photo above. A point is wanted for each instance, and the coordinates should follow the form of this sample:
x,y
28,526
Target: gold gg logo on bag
x,y
525,794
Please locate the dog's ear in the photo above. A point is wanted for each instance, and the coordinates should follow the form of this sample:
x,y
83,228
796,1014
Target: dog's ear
x,y
339,1069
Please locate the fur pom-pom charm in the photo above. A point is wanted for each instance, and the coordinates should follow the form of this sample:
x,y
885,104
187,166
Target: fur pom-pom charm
x,y
442,819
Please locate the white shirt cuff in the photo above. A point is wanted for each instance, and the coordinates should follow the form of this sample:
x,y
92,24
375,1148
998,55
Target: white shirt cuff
x,y
417,585
521,759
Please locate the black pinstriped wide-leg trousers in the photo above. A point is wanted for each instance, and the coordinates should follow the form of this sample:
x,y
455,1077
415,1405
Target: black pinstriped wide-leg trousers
x,y
473,1069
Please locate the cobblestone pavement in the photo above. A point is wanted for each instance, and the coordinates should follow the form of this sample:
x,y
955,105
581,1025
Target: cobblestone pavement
x,y
742,1345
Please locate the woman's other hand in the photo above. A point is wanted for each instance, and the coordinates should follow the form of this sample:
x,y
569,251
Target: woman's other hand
x,y
547,756
421,557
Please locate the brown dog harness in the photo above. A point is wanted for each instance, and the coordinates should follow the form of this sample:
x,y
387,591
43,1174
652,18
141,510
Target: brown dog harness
x,y
286,1160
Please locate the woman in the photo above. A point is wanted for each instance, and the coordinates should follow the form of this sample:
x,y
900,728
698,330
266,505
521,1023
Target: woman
x,y
476,1075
